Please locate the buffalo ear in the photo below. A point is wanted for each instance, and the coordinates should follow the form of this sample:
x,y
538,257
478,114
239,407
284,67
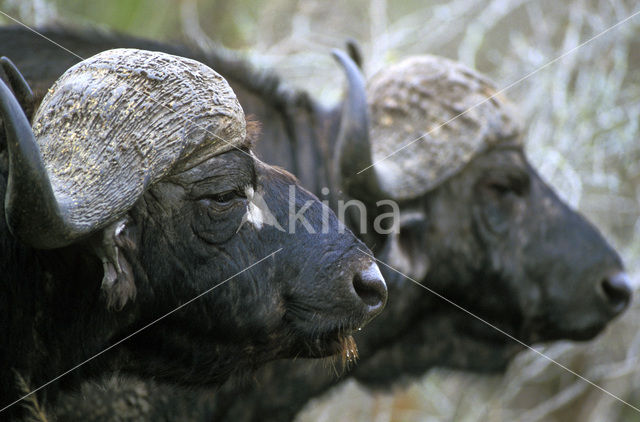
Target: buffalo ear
x,y
406,248
118,283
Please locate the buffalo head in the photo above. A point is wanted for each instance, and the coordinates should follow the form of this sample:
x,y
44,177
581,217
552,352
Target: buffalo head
x,y
137,180
477,225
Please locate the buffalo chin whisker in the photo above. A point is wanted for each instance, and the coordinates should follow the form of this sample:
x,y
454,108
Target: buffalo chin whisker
x,y
349,353
346,357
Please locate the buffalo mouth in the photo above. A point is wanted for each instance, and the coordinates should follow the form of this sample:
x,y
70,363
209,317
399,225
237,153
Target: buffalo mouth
x,y
486,345
527,333
321,338
548,330
584,334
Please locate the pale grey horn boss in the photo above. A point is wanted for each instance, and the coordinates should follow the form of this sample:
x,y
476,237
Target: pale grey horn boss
x,y
40,210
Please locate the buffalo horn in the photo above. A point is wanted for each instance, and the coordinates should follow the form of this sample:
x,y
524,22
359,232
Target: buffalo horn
x,y
353,145
31,210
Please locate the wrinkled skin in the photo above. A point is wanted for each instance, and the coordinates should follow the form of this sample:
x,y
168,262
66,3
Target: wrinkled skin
x,y
182,237
493,239
460,237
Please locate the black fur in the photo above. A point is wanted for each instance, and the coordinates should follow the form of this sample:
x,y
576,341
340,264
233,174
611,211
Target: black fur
x,y
179,241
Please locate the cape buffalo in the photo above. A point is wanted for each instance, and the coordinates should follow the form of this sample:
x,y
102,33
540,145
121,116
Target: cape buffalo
x,y
477,226
477,223
123,210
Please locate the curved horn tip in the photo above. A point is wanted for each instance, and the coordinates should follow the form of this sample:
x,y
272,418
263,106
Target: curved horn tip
x,y
343,58
31,211
19,84
355,51
353,143
356,83
336,52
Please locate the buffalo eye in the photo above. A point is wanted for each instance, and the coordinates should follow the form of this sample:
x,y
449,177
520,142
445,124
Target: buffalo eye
x,y
223,199
501,198
503,185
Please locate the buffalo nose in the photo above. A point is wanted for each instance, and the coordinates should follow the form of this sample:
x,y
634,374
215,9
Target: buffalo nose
x,y
616,291
370,287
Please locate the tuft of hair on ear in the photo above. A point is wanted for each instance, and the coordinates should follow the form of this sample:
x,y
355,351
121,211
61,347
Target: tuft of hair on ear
x,y
254,130
118,283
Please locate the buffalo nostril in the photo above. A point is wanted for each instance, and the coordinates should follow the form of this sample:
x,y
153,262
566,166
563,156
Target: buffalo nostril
x,y
616,290
369,285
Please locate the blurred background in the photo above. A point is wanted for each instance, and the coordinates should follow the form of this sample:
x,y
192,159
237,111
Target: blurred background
x,y
582,115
